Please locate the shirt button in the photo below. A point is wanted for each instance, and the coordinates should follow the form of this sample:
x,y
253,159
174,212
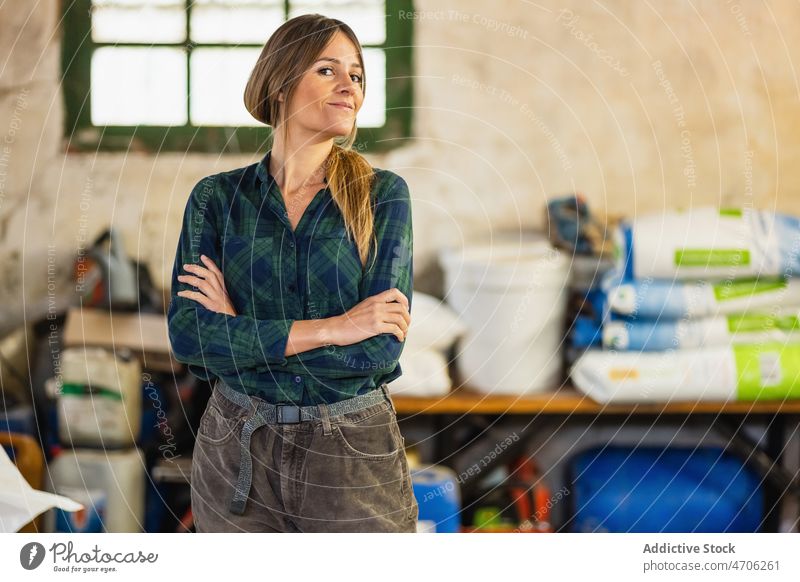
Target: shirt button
x,y
291,243
298,379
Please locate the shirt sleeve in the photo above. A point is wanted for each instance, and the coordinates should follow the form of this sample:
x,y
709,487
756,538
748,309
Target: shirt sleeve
x,y
205,340
393,267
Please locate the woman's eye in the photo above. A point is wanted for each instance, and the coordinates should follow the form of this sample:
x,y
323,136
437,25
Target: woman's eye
x,y
357,77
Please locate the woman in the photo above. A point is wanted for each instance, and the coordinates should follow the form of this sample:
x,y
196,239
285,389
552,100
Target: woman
x,y
292,292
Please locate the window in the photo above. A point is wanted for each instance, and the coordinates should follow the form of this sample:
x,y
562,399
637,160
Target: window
x,y
169,75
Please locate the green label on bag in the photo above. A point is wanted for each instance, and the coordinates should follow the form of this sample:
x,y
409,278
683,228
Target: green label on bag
x,y
748,322
734,212
76,389
768,371
746,288
712,257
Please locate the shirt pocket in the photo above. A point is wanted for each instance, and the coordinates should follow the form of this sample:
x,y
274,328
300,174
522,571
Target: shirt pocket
x,y
249,274
335,272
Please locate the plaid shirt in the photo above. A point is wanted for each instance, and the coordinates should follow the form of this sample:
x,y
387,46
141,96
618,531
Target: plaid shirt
x,y
275,276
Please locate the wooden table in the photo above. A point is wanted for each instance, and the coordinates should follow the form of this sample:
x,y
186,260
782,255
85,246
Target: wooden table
x,y
466,405
568,400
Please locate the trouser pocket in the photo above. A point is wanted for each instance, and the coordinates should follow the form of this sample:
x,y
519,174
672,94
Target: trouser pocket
x,y
356,478
373,434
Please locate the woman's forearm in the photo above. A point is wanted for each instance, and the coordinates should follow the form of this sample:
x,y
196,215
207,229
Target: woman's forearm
x,y
384,313
308,334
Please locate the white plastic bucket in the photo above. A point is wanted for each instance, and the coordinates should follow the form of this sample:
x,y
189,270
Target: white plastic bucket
x,y
512,298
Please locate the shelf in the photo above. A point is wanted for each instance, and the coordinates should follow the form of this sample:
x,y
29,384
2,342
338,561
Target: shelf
x,y
567,400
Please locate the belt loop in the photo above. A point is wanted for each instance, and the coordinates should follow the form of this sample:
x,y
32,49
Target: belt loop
x,y
326,419
385,388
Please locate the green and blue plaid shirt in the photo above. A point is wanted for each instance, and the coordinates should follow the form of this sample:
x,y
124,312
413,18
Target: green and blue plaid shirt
x,y
275,276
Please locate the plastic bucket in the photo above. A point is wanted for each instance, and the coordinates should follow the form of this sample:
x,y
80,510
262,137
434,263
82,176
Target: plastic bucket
x,y
100,402
112,481
512,298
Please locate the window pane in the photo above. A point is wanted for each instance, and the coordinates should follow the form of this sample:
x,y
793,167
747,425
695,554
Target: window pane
x,y
235,21
138,86
365,17
138,20
373,110
218,77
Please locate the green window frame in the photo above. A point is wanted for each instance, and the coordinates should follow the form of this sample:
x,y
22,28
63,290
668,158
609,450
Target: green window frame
x,y
82,136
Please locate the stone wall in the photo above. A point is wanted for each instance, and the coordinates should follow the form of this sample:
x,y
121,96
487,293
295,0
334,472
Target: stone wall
x,y
639,105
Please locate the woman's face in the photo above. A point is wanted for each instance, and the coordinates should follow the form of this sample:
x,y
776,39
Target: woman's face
x,y
329,94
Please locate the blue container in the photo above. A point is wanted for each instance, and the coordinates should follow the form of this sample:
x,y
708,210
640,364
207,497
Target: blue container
x,y
438,497
19,419
87,520
649,489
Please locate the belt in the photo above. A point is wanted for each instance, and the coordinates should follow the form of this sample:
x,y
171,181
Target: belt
x,y
266,413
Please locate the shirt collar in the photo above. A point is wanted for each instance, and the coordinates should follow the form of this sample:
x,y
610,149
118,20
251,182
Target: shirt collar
x,y
263,169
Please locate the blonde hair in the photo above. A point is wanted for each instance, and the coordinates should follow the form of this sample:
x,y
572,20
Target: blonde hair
x,y
286,56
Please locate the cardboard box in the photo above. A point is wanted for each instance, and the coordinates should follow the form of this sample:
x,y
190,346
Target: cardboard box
x,y
145,334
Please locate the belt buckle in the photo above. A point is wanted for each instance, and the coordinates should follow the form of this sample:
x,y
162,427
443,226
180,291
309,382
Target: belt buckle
x,y
288,413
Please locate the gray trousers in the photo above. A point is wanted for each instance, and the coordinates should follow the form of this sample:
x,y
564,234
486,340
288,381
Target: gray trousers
x,y
336,473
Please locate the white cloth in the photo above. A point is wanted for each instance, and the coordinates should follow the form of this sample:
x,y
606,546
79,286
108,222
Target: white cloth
x,y
434,324
19,502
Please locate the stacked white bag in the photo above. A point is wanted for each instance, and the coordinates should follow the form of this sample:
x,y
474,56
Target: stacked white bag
x,y
703,305
433,331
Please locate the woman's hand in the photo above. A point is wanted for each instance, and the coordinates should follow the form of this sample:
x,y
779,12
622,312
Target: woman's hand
x,y
385,312
209,280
